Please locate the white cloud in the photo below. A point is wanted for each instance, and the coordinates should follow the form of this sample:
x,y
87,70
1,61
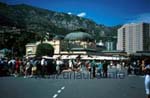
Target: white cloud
x,y
82,14
69,13
140,18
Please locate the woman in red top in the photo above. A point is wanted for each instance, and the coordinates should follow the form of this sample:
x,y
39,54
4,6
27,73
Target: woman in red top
x,y
17,66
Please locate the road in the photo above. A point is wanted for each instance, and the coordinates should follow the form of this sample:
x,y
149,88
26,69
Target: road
x,y
19,87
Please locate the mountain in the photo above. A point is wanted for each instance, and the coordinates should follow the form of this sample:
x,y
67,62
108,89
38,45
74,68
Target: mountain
x,y
38,22
35,19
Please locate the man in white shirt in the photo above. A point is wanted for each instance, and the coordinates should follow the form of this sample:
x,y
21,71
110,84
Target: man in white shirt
x,y
146,69
43,67
59,63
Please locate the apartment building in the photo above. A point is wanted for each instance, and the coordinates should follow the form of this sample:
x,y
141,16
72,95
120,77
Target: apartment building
x,y
134,37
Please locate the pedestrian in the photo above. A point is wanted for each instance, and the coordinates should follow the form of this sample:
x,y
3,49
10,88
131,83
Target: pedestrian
x,y
134,67
100,68
76,64
146,69
34,68
88,67
71,64
105,68
129,69
93,65
21,68
27,68
58,65
11,64
17,67
43,67
118,67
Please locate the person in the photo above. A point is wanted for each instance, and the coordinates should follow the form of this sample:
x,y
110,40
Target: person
x,y
129,69
17,67
58,65
134,67
21,67
34,67
71,64
27,68
118,67
93,65
11,64
105,69
146,69
43,67
76,64
100,67
88,66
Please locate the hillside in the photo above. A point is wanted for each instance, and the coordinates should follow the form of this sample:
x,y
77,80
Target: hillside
x,y
38,22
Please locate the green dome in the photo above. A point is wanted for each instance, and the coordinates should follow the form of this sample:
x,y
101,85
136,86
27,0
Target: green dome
x,y
58,37
82,36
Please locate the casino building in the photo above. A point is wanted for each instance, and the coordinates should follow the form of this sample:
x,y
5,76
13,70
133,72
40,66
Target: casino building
x,y
73,45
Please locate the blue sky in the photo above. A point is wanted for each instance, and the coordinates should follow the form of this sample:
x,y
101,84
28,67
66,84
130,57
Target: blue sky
x,y
107,12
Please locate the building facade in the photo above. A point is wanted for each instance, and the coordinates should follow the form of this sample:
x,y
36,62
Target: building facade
x,y
110,45
75,44
134,37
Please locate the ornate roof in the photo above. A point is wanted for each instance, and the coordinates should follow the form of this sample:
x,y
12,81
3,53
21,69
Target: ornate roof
x,y
79,36
58,37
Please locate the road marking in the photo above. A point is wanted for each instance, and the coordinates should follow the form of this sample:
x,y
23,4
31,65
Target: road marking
x,y
55,95
59,91
63,88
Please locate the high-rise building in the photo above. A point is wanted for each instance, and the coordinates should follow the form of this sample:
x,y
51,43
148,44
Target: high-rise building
x,y
109,45
134,37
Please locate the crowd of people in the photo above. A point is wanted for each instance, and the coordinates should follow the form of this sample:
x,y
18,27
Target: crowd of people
x,y
45,66
26,67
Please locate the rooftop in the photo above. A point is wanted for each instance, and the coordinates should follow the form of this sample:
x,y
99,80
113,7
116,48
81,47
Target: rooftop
x,y
82,36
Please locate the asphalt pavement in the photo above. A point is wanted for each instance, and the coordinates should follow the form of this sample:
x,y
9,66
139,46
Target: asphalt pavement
x,y
72,85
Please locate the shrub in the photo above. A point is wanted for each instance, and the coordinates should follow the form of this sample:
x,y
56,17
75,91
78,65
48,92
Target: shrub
x,y
45,49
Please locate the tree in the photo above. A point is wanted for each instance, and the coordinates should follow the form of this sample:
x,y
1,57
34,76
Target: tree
x,y
45,49
81,30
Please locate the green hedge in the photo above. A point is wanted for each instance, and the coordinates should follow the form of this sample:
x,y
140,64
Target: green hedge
x,y
45,49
